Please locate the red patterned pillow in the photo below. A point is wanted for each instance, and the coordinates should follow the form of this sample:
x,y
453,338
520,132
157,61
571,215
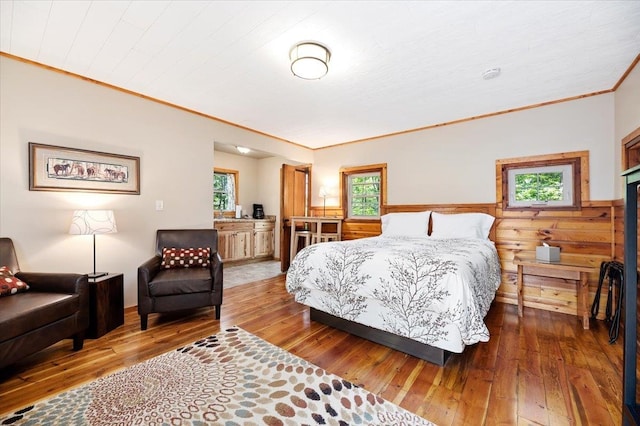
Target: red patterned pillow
x,y
185,257
9,284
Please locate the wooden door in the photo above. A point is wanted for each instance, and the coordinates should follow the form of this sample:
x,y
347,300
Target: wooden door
x,y
295,200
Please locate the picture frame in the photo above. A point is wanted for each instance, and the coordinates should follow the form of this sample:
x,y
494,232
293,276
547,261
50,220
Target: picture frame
x,y
57,168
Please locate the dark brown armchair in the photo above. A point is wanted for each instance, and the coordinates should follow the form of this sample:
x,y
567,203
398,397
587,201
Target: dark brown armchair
x,y
55,307
163,289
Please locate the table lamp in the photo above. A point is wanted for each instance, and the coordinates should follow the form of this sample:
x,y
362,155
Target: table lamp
x,y
93,222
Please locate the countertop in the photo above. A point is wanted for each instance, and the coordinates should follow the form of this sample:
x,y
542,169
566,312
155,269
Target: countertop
x,y
248,219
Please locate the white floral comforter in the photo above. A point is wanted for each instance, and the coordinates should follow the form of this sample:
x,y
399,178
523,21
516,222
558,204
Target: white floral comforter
x,y
435,291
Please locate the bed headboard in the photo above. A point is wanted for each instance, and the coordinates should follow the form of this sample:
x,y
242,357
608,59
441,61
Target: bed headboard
x,y
446,209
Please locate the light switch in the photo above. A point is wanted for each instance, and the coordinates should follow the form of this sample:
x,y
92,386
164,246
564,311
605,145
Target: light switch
x,y
159,205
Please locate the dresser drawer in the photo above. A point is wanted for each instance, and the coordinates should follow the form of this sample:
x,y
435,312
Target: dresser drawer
x,y
263,225
233,226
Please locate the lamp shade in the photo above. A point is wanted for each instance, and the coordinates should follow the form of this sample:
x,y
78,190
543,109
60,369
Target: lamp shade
x,y
309,61
93,222
324,192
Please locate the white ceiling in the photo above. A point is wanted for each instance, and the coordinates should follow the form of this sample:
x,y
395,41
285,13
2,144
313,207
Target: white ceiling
x,y
395,65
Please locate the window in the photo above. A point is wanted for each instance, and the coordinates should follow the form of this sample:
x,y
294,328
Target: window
x,y
546,186
364,190
364,195
558,181
225,192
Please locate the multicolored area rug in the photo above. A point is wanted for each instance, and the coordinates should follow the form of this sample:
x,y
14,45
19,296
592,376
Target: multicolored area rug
x,y
231,378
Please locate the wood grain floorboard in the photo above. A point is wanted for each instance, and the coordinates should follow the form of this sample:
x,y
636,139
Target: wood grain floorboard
x,y
539,369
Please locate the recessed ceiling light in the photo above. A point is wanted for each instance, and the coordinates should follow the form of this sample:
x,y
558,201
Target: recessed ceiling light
x,y
491,73
243,150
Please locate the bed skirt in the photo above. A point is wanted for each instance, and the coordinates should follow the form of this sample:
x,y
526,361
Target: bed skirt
x,y
419,350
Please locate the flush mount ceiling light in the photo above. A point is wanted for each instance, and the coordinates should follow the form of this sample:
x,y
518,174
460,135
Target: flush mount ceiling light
x,y
491,73
243,150
309,60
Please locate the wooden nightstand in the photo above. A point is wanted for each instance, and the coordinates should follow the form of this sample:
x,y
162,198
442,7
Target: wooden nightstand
x,y
106,304
568,268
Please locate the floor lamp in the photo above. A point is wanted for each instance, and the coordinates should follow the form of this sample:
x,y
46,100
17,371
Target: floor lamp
x,y
93,222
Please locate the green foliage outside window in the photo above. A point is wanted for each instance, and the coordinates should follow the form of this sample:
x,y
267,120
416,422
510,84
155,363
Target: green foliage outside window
x,y
539,187
365,195
223,192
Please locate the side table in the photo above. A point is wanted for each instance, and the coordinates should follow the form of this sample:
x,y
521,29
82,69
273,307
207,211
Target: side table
x,y
571,269
106,304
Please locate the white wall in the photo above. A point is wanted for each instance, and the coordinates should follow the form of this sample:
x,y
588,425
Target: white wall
x,y
176,160
456,163
247,169
627,118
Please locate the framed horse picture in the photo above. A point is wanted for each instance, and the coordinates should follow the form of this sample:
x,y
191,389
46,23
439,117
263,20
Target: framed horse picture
x,y
56,168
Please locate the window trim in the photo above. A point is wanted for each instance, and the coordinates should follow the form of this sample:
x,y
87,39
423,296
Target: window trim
x,y
568,173
346,172
578,160
631,150
350,197
236,177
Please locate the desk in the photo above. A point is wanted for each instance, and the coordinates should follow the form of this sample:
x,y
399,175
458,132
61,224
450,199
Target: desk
x,y
568,268
318,221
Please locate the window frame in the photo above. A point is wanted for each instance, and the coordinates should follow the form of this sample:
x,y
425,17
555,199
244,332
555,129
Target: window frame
x,y
578,162
351,196
568,199
232,211
346,173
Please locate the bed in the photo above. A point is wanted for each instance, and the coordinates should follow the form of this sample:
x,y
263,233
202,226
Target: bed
x,y
426,295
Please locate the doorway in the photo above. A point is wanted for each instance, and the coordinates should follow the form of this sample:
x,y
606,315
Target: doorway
x,y
295,200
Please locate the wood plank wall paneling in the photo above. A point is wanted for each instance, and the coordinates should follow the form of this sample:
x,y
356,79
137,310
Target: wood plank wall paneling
x,y
354,229
618,230
329,211
594,232
351,230
585,233
488,208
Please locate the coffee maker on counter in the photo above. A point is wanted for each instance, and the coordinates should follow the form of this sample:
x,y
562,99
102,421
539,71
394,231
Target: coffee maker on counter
x,y
258,211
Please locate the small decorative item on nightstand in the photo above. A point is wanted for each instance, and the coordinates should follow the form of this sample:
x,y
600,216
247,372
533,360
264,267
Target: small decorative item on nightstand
x,y
546,253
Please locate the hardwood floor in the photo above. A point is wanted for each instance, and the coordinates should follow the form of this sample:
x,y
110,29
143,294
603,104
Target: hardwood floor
x,y
544,369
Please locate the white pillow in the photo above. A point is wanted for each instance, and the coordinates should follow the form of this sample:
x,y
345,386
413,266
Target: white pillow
x,y
461,225
406,224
